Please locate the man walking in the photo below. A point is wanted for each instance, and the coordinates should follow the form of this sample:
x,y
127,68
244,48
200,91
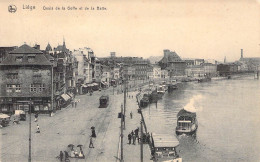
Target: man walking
x,y
129,138
131,115
61,155
91,143
76,102
136,131
36,117
38,129
72,103
134,139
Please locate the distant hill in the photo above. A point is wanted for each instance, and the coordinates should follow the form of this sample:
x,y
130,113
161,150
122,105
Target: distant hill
x,y
154,59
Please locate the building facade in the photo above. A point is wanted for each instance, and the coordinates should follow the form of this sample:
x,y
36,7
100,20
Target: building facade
x,y
27,81
172,63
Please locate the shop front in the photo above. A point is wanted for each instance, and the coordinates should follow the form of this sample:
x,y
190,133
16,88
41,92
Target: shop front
x,y
104,84
64,100
42,105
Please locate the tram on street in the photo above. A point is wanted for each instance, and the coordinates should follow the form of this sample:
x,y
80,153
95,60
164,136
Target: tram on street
x,y
103,101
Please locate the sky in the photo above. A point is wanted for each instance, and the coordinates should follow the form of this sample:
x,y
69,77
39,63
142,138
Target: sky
x,y
209,29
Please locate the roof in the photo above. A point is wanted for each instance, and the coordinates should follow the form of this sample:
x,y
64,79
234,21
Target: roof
x,y
165,140
171,57
254,60
25,49
24,52
48,47
183,112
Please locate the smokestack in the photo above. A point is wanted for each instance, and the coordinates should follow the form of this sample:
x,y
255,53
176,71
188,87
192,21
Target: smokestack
x,y
241,53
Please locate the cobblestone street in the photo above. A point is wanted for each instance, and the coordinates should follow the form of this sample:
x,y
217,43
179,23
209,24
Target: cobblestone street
x,y
72,126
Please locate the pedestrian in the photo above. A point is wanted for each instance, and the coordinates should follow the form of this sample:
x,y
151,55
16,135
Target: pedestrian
x,y
136,131
148,137
76,103
132,133
132,96
134,139
131,115
93,132
138,139
61,155
72,103
38,129
129,138
36,117
91,143
66,155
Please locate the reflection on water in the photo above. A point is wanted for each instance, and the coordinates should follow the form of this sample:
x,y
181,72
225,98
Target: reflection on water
x,y
228,114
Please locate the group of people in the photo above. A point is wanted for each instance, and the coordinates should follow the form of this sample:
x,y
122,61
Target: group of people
x,y
133,136
65,155
73,154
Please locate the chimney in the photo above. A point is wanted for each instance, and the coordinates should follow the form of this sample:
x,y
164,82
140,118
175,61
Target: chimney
x,y
166,53
241,53
36,46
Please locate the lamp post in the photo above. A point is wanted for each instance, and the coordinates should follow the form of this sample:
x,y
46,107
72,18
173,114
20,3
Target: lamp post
x,y
30,126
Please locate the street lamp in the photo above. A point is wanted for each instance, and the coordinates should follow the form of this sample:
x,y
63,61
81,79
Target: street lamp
x,y
30,126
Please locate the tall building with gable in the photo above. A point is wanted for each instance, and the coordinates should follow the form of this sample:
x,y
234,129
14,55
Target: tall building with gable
x,y
26,81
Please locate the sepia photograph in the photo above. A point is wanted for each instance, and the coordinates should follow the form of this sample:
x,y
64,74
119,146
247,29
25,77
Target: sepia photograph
x,y
129,81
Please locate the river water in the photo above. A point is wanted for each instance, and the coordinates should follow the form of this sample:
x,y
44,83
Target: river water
x,y
228,114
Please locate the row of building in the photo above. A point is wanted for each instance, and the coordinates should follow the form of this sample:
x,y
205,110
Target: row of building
x,y
46,80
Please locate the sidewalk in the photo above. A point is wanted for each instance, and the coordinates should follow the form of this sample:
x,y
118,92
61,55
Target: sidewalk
x,y
132,152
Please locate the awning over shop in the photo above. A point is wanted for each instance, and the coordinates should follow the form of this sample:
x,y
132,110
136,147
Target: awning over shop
x,y
70,94
105,83
66,97
83,85
95,84
3,116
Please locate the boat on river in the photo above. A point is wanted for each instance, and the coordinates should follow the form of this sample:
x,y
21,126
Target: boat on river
x,y
161,90
164,148
205,79
186,122
145,100
172,86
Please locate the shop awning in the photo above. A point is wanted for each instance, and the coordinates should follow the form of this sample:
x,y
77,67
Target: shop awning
x,y
65,97
95,84
70,94
105,83
83,85
3,116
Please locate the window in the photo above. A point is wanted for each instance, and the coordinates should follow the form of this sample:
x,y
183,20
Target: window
x,y
9,88
19,59
42,87
13,88
18,88
12,76
37,76
31,58
33,88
